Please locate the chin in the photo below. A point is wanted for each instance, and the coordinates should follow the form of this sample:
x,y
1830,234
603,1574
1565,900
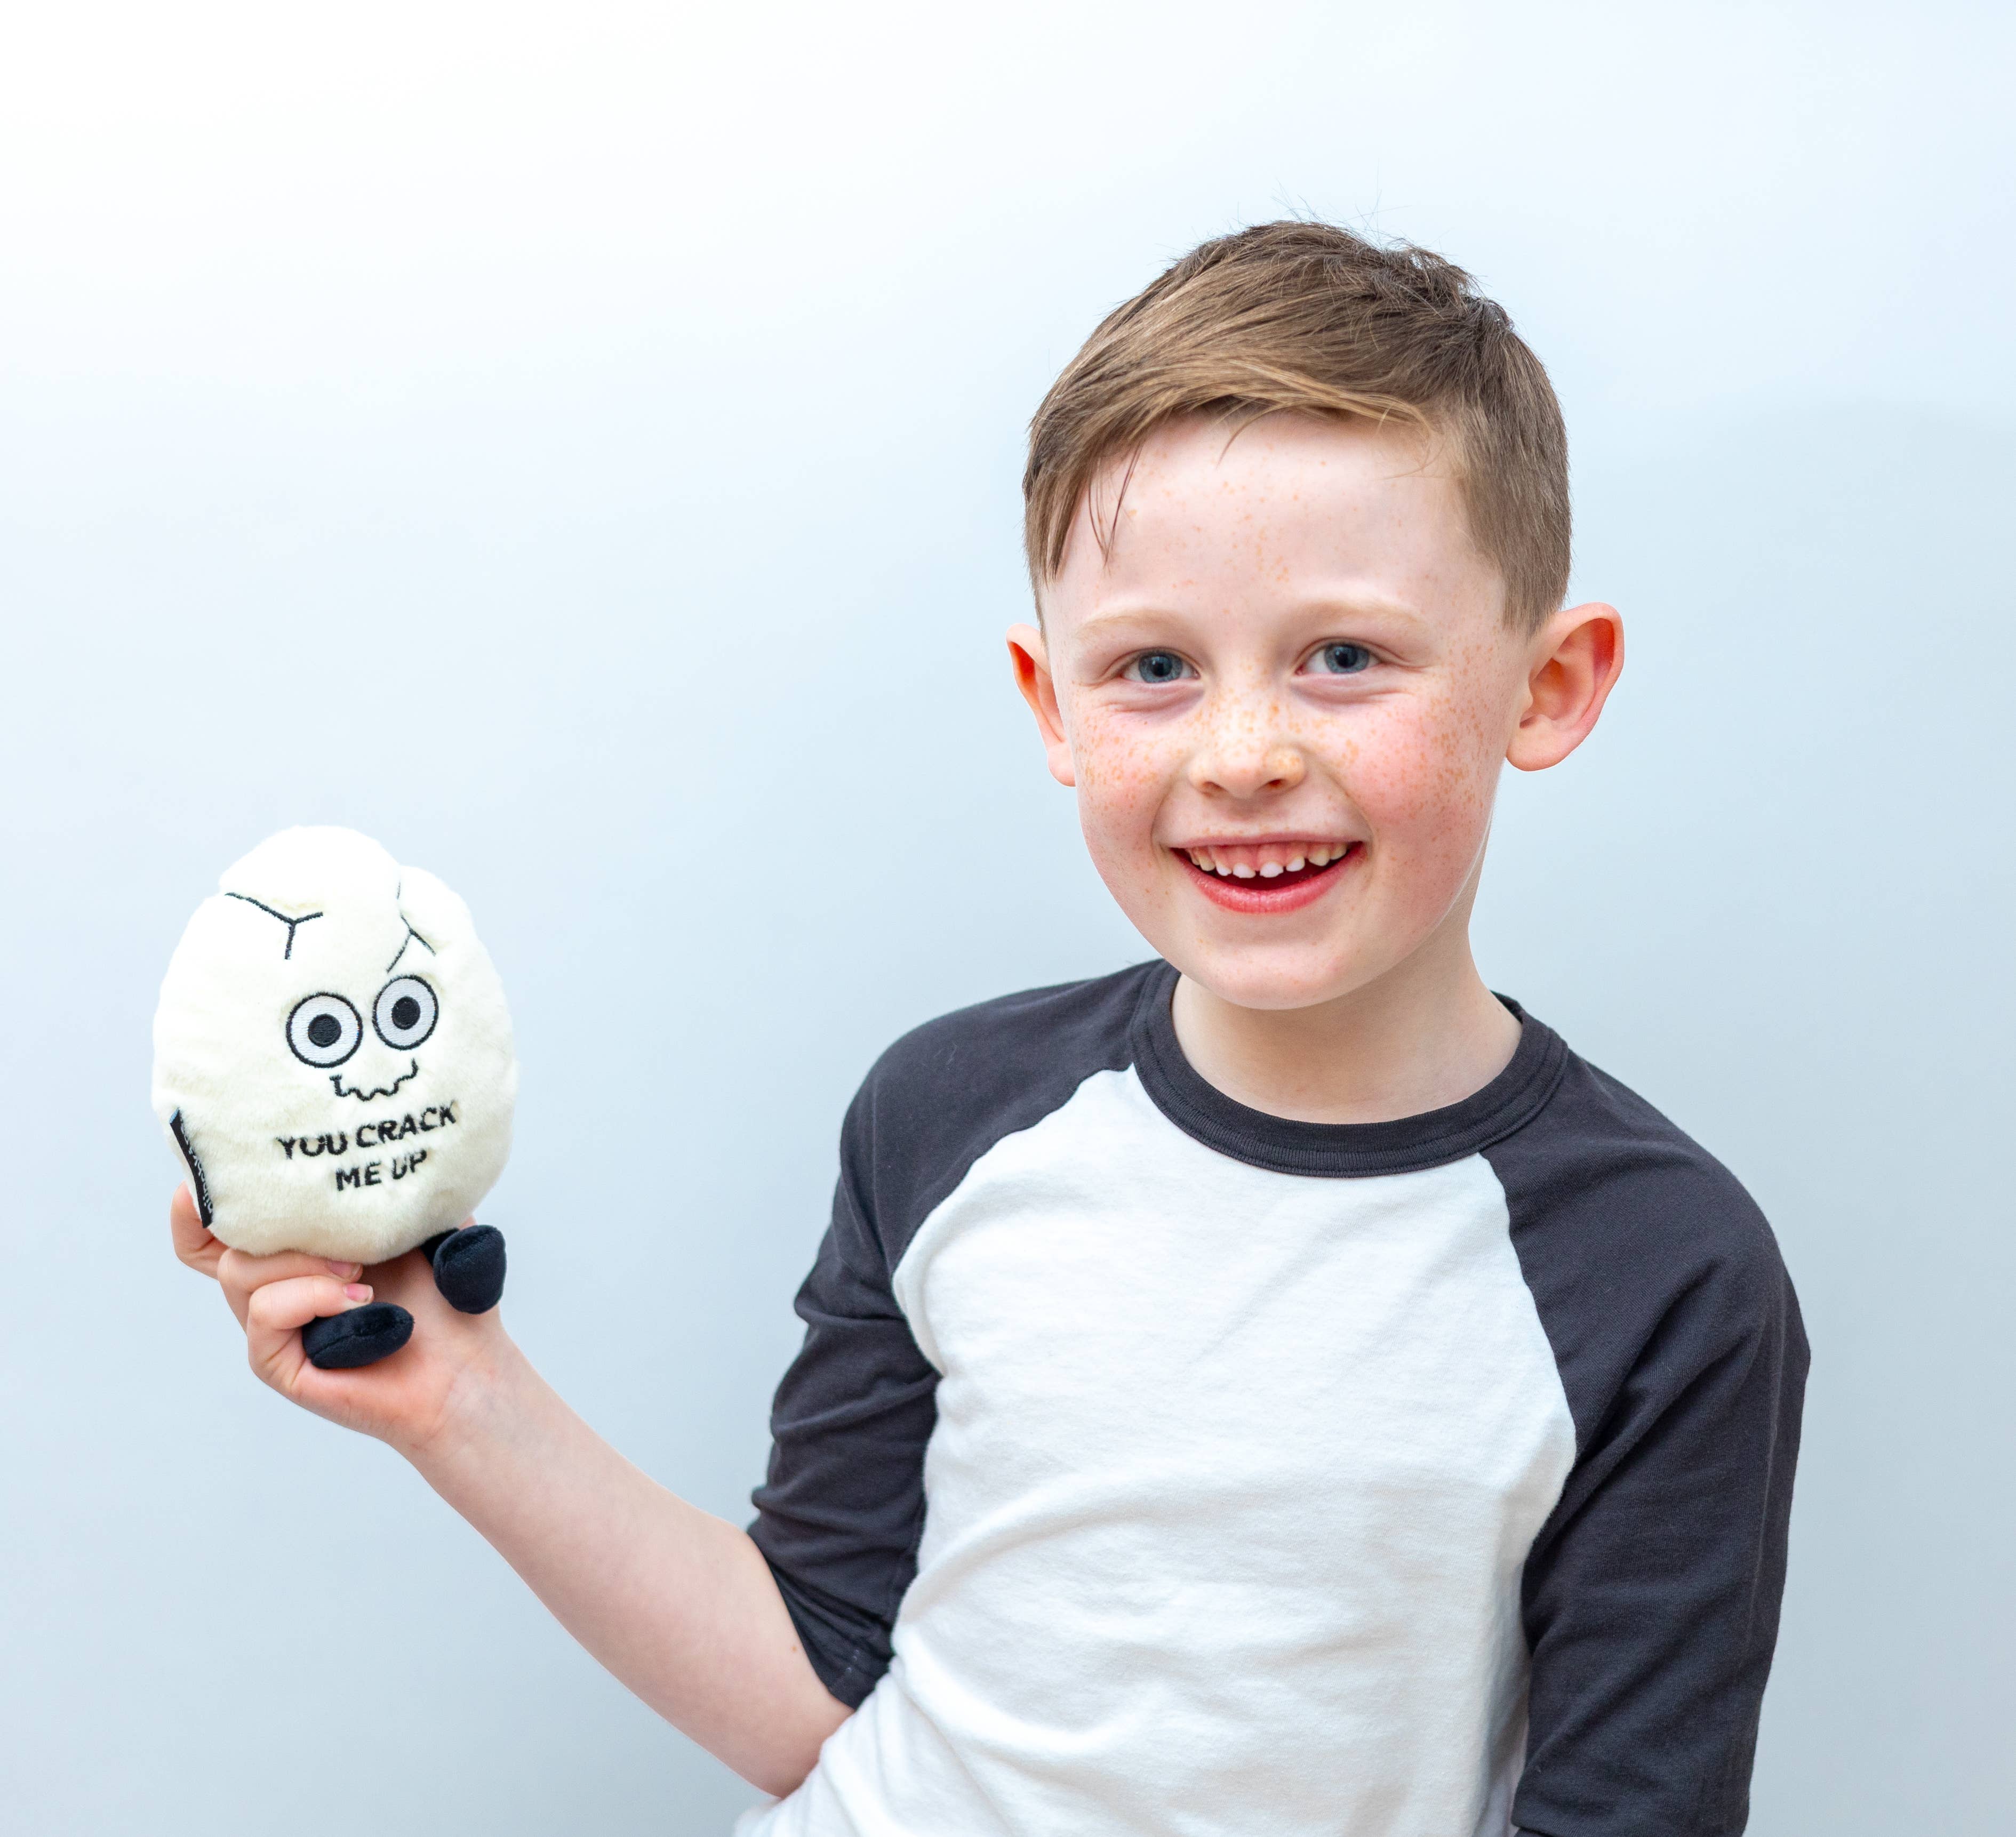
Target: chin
x,y
1272,979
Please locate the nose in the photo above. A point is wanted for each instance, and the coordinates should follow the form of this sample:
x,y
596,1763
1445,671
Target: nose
x,y
1244,753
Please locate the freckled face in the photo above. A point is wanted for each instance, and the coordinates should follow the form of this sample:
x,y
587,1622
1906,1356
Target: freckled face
x,y
1285,696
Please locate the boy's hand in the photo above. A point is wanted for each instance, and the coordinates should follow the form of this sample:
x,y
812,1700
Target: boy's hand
x,y
404,1400
680,1605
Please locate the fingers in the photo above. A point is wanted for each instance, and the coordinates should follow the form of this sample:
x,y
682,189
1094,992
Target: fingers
x,y
278,1311
193,1244
243,1276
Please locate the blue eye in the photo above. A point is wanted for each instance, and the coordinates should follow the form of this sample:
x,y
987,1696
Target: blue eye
x,y
1158,666
1339,659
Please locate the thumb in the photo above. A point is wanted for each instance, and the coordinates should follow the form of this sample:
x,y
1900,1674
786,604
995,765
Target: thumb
x,y
194,1244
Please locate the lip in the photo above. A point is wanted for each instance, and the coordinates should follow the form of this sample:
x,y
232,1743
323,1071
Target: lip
x,y
1266,896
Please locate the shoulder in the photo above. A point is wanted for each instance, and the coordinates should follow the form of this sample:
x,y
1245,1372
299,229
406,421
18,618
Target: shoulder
x,y
1636,1241
946,1092
1629,1181
1016,1037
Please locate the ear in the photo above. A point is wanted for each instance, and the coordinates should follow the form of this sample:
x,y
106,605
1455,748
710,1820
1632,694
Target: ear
x,y
1031,660
1576,659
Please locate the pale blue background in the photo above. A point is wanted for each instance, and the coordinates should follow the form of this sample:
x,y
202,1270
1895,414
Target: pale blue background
x,y
580,446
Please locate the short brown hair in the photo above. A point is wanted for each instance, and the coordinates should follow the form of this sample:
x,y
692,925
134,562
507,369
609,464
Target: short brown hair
x,y
1307,318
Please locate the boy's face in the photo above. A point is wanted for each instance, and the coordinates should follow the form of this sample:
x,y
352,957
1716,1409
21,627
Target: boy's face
x,y
1283,695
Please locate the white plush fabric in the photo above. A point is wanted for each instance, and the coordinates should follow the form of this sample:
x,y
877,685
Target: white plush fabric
x,y
333,1045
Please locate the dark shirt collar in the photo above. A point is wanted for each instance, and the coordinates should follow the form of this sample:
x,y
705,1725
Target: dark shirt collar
x,y
1405,1145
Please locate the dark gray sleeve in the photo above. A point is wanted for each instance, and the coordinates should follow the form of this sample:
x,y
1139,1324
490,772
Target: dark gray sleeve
x,y
1652,1595
843,1508
840,1513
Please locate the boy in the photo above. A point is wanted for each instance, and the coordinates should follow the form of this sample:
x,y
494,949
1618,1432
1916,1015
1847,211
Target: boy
x,y
1279,1387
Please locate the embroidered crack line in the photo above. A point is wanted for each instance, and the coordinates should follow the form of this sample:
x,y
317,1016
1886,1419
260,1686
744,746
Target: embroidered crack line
x,y
411,937
290,923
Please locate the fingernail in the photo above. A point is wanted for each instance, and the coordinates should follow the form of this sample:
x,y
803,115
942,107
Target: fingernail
x,y
349,1271
358,1291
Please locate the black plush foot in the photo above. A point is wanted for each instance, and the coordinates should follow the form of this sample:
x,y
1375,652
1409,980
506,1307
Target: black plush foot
x,y
340,1342
469,1266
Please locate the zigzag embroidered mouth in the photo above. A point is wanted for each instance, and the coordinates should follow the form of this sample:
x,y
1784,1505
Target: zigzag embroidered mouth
x,y
411,1073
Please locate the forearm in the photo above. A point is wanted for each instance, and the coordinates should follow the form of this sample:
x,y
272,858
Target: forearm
x,y
678,1604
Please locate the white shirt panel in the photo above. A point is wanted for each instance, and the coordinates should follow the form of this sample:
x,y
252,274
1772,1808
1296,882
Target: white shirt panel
x,y
1232,1480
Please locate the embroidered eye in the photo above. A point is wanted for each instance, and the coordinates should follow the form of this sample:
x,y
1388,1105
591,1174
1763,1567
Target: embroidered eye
x,y
404,1012
1158,666
323,1030
1339,659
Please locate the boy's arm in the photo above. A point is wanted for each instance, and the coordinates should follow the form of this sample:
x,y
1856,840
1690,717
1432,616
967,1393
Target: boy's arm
x,y
840,1513
1652,1599
1651,1594
678,1605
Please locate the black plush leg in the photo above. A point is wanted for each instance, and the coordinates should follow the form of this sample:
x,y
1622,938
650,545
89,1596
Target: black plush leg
x,y
469,1266
340,1342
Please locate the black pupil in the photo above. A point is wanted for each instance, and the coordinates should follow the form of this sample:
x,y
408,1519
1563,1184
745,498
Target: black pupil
x,y
1159,666
405,1014
324,1030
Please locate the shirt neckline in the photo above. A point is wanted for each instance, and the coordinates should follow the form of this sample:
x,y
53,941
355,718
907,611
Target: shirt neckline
x,y
1405,1145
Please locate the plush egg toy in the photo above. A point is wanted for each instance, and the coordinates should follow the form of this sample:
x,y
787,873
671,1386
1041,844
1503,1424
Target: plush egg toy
x,y
333,1064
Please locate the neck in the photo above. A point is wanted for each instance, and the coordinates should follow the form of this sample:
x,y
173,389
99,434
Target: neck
x,y
1426,1034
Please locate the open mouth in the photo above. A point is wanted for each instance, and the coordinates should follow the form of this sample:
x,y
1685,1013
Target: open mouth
x,y
1269,877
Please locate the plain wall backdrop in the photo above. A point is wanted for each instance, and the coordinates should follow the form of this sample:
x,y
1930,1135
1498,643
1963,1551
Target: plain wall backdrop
x,y
579,445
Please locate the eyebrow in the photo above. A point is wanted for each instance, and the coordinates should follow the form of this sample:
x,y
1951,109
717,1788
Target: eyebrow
x,y
1319,608
290,923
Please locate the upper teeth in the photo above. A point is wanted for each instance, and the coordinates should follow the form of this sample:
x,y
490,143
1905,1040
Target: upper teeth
x,y
1267,861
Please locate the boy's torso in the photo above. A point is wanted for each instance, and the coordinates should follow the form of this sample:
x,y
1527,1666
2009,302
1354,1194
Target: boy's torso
x,y
1231,1437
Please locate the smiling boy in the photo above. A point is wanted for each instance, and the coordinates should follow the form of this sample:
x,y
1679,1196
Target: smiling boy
x,y
1279,1387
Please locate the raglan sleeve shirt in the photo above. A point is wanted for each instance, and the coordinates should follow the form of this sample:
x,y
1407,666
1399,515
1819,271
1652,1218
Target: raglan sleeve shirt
x,y
1154,1465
